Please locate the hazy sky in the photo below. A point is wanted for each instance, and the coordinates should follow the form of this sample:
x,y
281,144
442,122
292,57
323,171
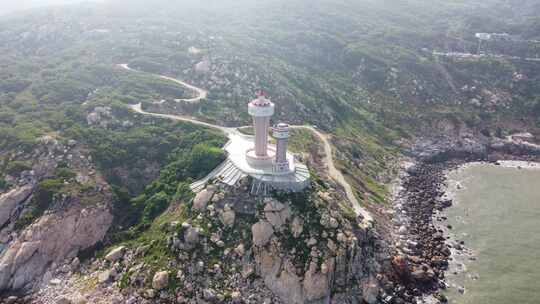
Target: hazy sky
x,y
7,6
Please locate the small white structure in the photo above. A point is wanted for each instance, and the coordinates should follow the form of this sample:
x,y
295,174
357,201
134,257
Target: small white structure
x,y
203,66
483,36
281,134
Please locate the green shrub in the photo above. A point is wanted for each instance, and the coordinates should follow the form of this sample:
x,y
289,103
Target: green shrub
x,y
41,201
155,206
65,174
16,167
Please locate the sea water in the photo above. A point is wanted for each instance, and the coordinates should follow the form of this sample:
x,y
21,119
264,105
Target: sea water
x,y
496,212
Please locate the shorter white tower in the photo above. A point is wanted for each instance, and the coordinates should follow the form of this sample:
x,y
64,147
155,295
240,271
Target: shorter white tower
x,y
281,134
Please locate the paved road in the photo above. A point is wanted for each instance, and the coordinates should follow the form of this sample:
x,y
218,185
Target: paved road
x,y
478,56
233,133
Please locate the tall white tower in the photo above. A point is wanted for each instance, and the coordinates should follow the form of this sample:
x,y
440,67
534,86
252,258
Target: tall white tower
x,y
261,109
281,134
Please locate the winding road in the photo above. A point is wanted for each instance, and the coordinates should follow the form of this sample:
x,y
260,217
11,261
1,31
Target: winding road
x,y
333,172
200,93
337,176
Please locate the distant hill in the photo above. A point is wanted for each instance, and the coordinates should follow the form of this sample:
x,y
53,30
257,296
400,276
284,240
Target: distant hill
x,y
10,6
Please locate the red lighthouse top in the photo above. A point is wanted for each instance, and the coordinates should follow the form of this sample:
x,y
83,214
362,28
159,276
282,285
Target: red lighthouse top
x,y
261,100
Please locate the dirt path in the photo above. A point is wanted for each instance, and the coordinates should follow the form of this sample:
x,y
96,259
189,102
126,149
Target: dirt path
x,y
200,93
138,108
333,172
337,176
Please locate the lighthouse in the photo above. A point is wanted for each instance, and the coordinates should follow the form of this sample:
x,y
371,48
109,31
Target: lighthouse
x,y
261,109
270,167
281,134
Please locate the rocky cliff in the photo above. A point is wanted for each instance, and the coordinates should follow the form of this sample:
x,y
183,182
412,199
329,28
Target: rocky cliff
x,y
50,212
48,242
225,246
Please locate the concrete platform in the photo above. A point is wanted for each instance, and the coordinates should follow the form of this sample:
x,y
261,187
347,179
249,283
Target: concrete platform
x,y
237,166
237,147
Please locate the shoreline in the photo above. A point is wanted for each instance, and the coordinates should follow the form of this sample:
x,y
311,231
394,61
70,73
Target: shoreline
x,y
462,255
518,164
422,254
426,248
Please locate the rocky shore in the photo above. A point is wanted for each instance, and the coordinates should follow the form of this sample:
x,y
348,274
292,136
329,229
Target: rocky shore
x,y
423,247
421,250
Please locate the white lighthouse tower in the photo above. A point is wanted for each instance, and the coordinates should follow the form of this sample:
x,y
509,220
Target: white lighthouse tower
x,y
281,134
261,109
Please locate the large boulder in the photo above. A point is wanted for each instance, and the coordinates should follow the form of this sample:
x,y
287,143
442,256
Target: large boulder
x,y
277,213
116,254
160,280
106,276
202,198
227,216
203,66
423,275
93,118
240,250
191,236
262,231
316,285
279,276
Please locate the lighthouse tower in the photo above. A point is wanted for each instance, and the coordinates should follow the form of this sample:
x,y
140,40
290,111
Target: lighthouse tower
x,y
281,134
261,109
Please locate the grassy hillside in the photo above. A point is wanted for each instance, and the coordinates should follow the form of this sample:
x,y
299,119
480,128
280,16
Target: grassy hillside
x,y
361,70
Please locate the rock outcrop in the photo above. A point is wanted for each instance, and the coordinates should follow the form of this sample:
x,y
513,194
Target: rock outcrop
x,y
202,198
285,249
262,232
276,213
76,218
227,216
115,254
11,200
49,241
280,276
302,265
351,263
